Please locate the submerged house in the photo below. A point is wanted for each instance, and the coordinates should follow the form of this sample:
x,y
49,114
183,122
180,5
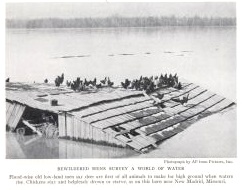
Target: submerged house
x,y
112,116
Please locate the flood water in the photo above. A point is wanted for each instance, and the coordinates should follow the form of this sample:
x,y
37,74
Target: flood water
x,y
36,147
206,56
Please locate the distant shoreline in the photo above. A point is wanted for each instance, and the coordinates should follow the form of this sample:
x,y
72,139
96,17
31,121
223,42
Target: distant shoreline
x,y
115,28
120,22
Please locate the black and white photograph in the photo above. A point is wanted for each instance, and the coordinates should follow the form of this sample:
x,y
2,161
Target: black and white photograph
x,y
120,80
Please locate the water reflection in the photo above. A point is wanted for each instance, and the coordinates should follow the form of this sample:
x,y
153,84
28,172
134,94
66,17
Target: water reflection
x,y
36,147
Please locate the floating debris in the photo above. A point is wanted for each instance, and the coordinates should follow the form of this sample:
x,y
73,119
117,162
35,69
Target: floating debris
x,y
74,56
187,51
169,52
126,54
83,56
65,57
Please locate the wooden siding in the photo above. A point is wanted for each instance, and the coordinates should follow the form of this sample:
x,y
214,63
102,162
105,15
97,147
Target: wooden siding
x,y
76,129
14,112
62,124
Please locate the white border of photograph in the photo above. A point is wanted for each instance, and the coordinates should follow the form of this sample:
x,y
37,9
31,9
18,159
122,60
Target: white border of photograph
x,y
35,167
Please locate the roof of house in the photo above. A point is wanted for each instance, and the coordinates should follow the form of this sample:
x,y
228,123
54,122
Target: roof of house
x,y
151,122
121,112
39,96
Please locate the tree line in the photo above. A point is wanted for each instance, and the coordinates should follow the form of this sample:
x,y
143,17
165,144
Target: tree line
x,y
116,21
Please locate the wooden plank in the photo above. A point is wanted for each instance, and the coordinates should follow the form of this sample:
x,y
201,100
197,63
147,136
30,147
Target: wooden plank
x,y
157,137
76,126
118,120
162,116
179,92
12,115
123,139
171,103
31,127
170,89
89,112
201,97
61,125
178,129
144,140
112,106
116,112
190,112
18,116
225,103
111,132
131,125
8,104
69,127
180,108
9,112
136,145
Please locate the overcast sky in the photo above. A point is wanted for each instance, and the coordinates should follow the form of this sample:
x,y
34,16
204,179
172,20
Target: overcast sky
x,y
74,10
